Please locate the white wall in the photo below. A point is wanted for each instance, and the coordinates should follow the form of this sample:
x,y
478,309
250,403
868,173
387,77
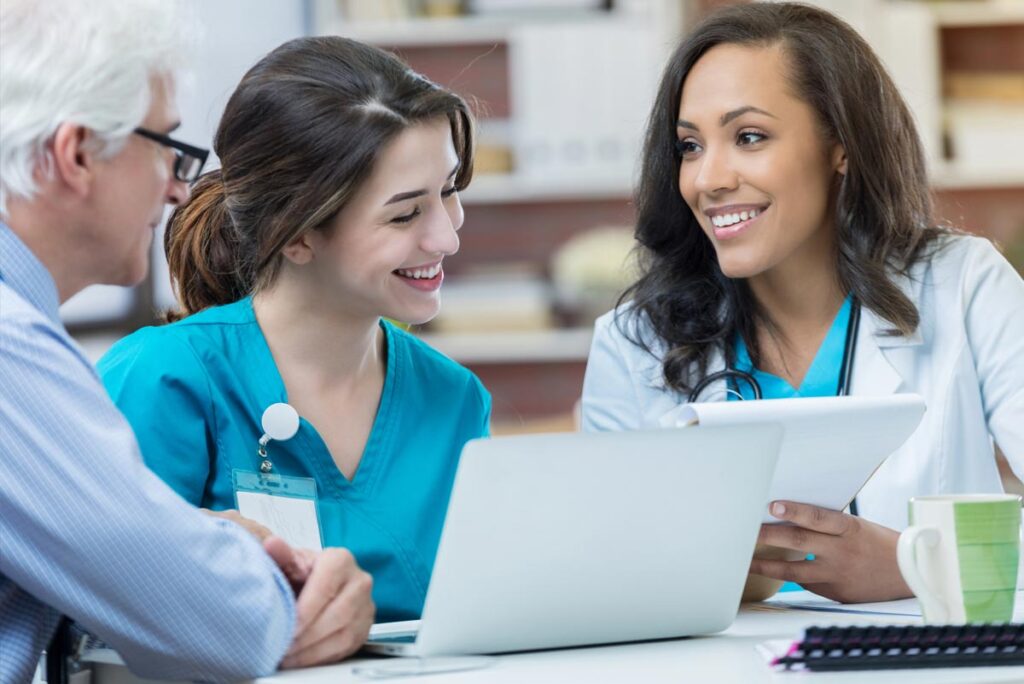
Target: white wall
x,y
236,33
239,32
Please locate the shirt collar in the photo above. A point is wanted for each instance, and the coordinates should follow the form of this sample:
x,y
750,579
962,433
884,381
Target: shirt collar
x,y
26,275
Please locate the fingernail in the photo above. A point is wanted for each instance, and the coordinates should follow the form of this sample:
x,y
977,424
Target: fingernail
x,y
778,509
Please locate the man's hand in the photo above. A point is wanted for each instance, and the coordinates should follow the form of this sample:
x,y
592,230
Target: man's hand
x,y
854,559
334,606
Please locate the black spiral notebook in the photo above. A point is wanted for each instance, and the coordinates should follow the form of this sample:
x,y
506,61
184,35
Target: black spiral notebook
x,y
904,647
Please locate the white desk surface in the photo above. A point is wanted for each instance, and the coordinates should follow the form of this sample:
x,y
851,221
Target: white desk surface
x,y
731,657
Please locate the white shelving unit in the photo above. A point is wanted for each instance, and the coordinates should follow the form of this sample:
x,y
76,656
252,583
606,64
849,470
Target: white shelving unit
x,y
512,188
664,16
974,13
466,30
906,34
949,176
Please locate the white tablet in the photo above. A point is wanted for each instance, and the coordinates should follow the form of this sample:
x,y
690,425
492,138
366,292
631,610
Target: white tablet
x,y
830,446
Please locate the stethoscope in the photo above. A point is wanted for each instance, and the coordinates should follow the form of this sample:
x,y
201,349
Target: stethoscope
x,y
734,375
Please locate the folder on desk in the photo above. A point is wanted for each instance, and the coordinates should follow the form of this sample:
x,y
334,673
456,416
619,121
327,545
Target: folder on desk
x,y
831,445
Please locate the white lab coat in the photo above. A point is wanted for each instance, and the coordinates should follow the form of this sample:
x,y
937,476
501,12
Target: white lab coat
x,y
966,359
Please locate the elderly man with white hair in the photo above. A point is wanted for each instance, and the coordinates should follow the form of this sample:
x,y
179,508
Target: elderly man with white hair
x,y
87,163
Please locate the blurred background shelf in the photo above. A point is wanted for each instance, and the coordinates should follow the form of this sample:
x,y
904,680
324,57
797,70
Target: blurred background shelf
x,y
423,32
510,188
514,347
441,32
952,177
561,98
953,13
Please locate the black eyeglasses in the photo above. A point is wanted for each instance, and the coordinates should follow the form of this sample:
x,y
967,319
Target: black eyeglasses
x,y
188,160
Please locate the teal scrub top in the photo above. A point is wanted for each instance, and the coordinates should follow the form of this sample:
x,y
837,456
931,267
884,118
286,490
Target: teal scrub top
x,y
821,380
194,391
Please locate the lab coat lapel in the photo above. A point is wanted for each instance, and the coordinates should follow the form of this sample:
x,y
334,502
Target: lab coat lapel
x,y
873,374
716,391
672,413
651,370
880,356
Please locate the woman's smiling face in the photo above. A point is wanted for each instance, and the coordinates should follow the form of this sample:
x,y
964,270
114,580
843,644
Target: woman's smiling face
x,y
756,170
384,255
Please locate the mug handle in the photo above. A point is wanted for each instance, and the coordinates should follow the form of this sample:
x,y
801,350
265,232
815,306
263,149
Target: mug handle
x,y
906,558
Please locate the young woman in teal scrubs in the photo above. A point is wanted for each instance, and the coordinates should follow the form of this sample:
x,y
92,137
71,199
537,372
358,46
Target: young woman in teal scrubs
x,y
335,208
783,184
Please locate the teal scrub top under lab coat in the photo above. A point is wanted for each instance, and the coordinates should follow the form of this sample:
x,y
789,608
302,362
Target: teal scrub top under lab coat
x,y
822,377
195,391
821,380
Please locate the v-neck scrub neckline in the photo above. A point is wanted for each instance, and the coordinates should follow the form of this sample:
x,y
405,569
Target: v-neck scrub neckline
x,y
822,377
194,392
308,437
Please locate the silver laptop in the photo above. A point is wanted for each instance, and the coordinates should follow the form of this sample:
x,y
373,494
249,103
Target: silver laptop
x,y
571,539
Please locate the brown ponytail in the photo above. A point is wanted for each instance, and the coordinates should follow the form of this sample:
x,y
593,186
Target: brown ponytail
x,y
202,250
298,137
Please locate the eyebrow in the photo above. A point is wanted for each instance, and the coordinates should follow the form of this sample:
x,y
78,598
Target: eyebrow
x,y
402,196
726,118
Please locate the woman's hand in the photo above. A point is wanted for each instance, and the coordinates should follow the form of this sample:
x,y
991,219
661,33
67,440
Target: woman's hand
x,y
759,587
251,526
854,559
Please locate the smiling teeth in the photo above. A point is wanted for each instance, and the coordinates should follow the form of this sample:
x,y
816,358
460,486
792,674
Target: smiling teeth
x,y
420,273
722,220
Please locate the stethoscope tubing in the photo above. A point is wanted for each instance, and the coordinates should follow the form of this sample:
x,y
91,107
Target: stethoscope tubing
x,y
842,387
845,367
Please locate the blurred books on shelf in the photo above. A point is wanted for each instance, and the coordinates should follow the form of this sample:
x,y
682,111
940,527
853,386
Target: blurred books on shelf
x,y
986,135
436,9
573,111
533,7
986,86
495,298
961,13
493,154
391,10
983,116
375,10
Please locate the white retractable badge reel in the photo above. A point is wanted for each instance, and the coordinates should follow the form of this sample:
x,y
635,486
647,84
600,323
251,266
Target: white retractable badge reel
x,y
286,505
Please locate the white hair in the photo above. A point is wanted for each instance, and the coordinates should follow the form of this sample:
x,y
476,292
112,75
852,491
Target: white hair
x,y
86,62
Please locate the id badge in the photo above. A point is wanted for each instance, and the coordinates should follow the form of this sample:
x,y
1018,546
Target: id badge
x,y
286,505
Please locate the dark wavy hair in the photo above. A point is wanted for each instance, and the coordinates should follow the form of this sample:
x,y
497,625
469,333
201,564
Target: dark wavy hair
x,y
883,206
298,138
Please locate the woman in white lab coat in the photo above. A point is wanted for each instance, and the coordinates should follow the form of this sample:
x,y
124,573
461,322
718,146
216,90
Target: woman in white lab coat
x,y
783,187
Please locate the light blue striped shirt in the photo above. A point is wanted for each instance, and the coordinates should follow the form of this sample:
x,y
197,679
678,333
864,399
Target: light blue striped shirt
x,y
87,531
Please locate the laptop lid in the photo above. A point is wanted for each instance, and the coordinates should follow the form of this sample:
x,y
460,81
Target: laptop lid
x,y
570,539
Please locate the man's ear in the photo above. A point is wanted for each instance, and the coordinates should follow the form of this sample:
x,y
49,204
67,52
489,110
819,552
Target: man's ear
x,y
839,159
300,250
74,162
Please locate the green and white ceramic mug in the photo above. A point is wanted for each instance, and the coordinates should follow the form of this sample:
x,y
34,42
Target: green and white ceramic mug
x,y
959,556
